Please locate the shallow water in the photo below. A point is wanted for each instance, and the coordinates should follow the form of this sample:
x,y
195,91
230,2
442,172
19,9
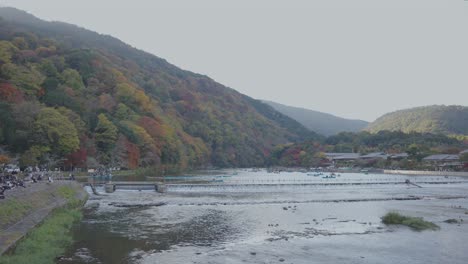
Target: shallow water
x,y
259,217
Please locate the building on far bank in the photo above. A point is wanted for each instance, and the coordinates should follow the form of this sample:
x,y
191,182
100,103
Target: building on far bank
x,y
342,156
374,156
353,159
343,159
444,161
442,158
398,156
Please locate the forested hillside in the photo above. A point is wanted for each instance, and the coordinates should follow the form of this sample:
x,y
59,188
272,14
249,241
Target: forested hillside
x,y
449,120
322,123
71,95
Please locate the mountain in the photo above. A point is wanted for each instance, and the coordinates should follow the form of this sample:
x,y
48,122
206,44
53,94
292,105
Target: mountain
x,y
322,123
73,95
449,120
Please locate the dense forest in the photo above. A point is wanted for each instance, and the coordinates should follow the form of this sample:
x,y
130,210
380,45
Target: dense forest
x,y
322,123
71,96
449,120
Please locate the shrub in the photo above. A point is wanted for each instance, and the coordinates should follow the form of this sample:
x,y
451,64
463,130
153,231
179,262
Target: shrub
x,y
415,223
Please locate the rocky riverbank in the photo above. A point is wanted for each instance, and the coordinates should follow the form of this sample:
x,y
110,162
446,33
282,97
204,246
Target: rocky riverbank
x,y
25,208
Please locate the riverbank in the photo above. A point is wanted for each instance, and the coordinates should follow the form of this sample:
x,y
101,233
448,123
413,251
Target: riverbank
x,y
23,209
427,173
383,171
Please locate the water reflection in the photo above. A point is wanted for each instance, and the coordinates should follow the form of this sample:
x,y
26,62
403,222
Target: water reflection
x,y
109,237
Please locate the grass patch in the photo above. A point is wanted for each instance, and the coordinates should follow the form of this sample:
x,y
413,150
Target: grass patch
x,y
66,192
12,210
49,240
415,223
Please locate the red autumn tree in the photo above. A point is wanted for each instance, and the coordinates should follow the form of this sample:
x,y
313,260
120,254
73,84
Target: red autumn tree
x,y
133,155
77,158
10,94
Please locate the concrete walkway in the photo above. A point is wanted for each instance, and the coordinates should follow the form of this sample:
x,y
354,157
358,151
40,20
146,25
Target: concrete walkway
x,y
43,198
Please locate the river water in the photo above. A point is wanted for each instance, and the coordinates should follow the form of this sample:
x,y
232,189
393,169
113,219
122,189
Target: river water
x,y
249,216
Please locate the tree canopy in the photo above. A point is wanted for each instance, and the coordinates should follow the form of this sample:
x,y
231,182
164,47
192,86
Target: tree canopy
x,y
55,130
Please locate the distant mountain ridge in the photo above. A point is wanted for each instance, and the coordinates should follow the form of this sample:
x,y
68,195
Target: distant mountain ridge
x,y
322,123
438,119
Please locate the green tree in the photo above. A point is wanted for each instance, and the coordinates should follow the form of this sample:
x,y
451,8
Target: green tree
x,y
20,43
106,133
413,150
73,117
55,130
72,78
6,51
33,156
27,78
122,112
48,68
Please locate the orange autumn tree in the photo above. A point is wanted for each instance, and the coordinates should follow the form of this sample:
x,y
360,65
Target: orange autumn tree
x,y
4,159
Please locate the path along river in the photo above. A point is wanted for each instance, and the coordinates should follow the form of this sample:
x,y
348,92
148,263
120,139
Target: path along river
x,y
290,217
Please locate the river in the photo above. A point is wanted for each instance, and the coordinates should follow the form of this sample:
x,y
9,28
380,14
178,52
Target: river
x,y
247,216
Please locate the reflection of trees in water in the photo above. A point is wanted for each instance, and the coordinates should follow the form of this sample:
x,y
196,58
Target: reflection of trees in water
x,y
108,236
112,236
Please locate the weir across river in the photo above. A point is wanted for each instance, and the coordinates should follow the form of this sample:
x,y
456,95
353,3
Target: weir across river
x,y
111,187
162,187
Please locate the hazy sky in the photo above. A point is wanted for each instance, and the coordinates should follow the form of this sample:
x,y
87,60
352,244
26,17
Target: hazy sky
x,y
352,58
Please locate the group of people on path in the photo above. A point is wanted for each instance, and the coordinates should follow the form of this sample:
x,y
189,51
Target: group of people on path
x,y
8,182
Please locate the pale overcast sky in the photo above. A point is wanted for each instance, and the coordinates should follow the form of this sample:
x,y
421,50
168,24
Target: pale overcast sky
x,y
352,58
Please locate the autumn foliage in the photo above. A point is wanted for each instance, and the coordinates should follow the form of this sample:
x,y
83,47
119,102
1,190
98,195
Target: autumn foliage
x,y
10,94
66,92
4,159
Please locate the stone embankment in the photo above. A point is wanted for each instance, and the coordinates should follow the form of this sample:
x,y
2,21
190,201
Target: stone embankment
x,y
25,208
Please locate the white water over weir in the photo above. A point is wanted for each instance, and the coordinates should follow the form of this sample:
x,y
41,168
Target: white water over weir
x,y
286,186
268,182
111,187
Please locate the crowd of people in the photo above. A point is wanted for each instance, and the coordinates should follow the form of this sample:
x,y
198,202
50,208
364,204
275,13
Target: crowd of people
x,y
101,174
9,181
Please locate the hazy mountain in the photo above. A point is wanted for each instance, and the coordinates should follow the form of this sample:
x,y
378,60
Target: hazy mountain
x,y
322,123
451,119
69,92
